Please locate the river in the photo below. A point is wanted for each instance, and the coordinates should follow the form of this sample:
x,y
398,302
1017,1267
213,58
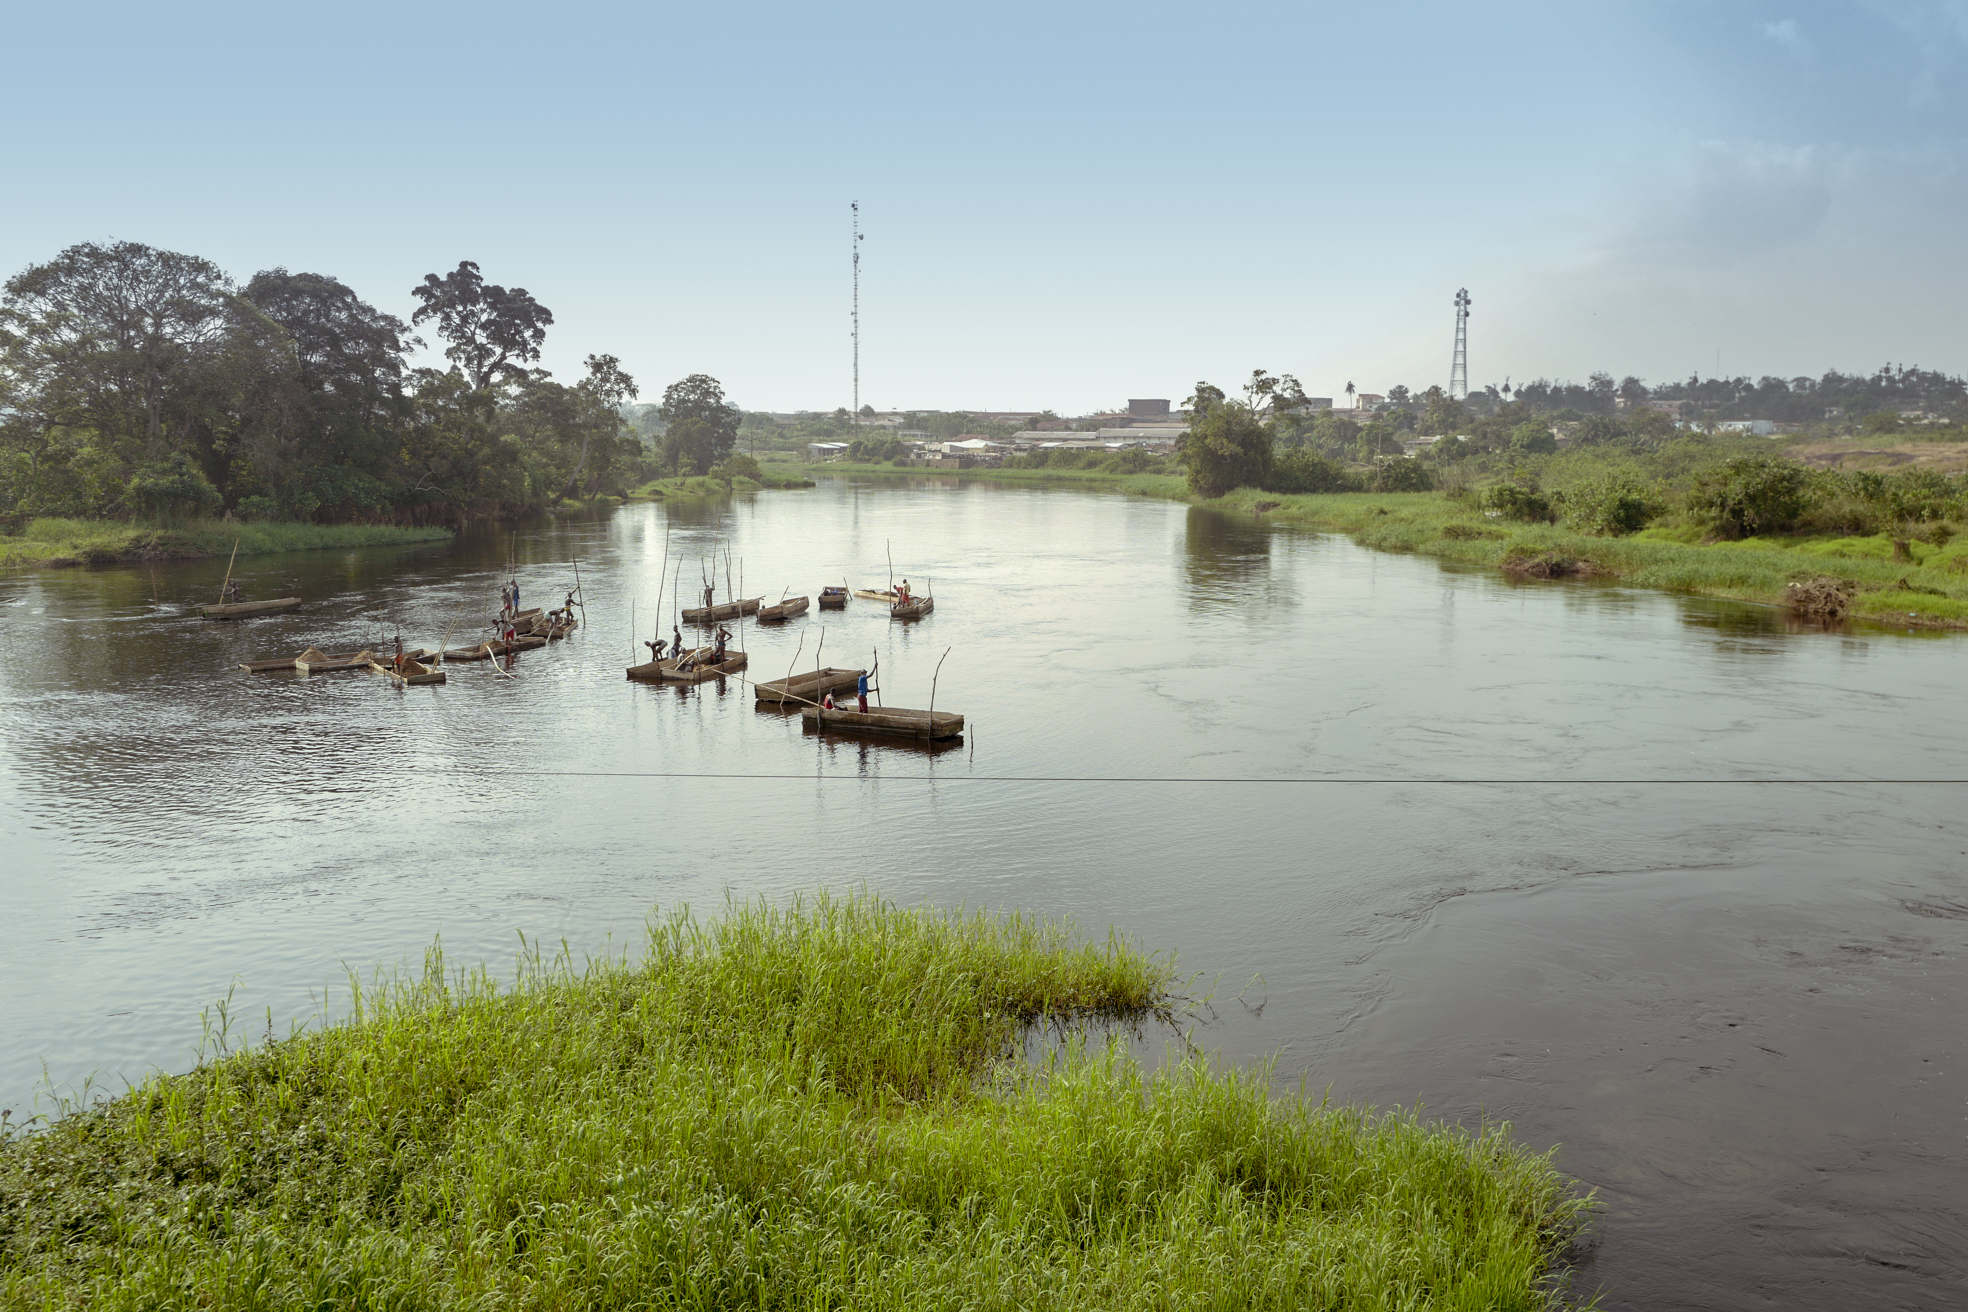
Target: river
x,y
1546,852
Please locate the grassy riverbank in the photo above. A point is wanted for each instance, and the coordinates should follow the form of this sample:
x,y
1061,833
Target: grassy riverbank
x,y
702,485
812,1108
1929,588
105,542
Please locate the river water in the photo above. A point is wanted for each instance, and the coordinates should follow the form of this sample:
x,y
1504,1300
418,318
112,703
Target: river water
x,y
1553,853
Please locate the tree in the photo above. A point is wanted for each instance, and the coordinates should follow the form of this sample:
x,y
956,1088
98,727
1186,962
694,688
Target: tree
x,y
493,332
99,336
600,398
341,444
1227,445
701,398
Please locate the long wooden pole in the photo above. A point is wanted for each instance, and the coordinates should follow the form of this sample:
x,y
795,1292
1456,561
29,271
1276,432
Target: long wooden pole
x,y
891,566
875,674
931,730
663,577
228,577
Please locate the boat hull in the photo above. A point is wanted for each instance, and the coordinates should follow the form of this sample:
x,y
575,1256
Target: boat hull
x,y
785,610
244,610
887,720
808,687
913,610
667,671
730,610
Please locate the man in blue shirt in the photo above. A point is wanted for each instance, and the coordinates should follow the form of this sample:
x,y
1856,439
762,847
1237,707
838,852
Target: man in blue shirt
x,y
861,691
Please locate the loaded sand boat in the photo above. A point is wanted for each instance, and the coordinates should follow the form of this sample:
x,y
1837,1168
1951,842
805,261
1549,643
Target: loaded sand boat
x,y
784,611
702,668
241,610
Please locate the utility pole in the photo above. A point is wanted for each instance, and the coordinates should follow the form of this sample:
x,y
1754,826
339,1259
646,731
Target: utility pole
x,y
1459,365
855,206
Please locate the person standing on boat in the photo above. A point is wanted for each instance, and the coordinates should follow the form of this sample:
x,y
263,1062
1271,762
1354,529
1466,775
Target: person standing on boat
x,y
861,692
723,636
710,590
902,593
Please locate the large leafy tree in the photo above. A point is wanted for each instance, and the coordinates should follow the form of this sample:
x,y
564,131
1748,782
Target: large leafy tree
x,y
100,335
709,440
494,332
1227,446
339,446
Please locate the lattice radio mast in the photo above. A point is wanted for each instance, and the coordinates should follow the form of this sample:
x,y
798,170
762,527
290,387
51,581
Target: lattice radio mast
x,y
855,206
1459,366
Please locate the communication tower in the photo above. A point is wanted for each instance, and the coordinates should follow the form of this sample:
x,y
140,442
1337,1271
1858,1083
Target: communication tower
x,y
1459,366
855,207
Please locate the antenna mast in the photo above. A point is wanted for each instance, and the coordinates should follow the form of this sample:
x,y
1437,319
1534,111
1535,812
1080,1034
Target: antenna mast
x,y
1459,365
855,206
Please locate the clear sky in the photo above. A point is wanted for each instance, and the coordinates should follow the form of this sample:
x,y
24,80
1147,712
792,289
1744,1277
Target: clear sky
x,y
1067,204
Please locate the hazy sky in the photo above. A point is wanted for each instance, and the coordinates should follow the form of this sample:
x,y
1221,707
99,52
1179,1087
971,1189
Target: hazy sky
x,y
1066,204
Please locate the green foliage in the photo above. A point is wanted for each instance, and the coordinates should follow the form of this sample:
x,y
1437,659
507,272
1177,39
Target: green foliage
x,y
1526,505
875,450
172,491
1400,474
1227,446
1303,469
1611,506
1751,495
820,1107
1534,438
712,423
493,333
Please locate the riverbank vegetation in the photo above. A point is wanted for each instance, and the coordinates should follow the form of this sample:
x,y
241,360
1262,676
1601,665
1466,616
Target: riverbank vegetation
x,y
148,387
817,1107
105,542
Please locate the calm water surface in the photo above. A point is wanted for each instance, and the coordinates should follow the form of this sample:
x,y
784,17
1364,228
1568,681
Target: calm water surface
x,y
1737,1008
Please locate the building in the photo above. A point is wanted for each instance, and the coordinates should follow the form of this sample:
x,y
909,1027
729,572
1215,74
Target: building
x,y
1318,402
825,450
1151,410
1369,401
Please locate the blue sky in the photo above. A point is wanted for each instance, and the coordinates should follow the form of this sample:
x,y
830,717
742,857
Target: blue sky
x,y
1066,204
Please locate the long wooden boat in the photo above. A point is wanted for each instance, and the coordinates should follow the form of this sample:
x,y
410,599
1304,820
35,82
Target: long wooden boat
x,y
312,662
889,719
784,611
412,673
240,610
913,609
808,687
877,594
523,620
729,610
833,599
667,671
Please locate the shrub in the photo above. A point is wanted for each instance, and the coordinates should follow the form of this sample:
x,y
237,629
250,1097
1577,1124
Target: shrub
x,y
1611,506
1533,438
1748,495
1400,474
171,491
1302,469
1132,461
1513,501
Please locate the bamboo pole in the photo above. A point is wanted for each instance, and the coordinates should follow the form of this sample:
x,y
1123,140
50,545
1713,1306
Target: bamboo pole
x,y
661,578
930,731
228,577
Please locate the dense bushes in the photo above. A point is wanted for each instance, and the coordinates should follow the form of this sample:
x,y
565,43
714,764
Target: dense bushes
x,y
1749,495
1611,506
1527,505
1301,469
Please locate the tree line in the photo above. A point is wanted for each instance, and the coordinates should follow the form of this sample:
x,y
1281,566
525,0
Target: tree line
x,y
143,383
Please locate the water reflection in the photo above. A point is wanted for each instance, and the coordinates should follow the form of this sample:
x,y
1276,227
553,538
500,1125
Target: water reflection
x,y
1227,562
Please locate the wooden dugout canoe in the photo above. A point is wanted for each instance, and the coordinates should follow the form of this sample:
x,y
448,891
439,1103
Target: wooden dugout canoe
x,y
876,594
808,687
890,719
667,671
241,610
833,599
784,611
729,610
913,609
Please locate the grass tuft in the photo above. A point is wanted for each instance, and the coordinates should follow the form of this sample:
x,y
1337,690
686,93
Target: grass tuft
x,y
817,1106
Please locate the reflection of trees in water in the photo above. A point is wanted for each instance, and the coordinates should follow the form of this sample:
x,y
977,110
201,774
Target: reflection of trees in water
x,y
1226,560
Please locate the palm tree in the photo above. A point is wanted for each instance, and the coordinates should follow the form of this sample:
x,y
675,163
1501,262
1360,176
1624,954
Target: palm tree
x,y
1349,394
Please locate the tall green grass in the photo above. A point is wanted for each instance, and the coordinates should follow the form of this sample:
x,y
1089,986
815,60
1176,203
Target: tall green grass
x,y
104,542
820,1106
1754,569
